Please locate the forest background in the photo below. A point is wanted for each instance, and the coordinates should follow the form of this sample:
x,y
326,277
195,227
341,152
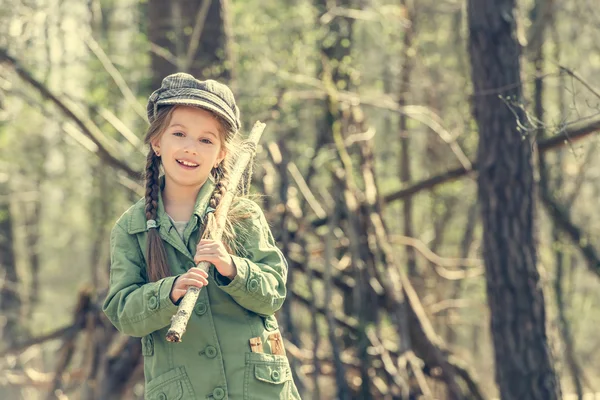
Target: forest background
x,y
428,167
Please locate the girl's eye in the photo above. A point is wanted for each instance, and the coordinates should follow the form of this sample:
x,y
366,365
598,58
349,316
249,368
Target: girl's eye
x,y
207,141
180,134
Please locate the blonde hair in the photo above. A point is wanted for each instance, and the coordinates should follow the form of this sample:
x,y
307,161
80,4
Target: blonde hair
x,y
156,256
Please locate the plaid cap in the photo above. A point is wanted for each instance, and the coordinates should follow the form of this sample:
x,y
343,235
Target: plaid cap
x,y
184,89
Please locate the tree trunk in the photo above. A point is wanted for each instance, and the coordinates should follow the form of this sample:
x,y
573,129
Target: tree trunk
x,y
191,37
524,367
10,302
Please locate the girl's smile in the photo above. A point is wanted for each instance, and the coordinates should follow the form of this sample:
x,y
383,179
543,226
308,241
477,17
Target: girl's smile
x,y
187,164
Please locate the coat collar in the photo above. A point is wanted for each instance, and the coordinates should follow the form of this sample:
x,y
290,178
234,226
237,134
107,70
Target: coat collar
x,y
137,221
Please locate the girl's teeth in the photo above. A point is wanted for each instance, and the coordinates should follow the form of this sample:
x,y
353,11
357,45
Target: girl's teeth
x,y
187,163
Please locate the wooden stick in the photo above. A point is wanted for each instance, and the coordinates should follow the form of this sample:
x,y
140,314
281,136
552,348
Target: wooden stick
x,y
180,319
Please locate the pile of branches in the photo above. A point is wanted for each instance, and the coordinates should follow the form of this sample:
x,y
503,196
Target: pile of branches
x,y
93,359
354,259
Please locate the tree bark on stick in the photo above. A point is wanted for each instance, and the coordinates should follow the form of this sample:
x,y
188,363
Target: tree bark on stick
x,y
180,319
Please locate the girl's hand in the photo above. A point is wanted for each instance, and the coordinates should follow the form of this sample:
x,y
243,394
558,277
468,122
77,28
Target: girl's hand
x,y
193,277
215,253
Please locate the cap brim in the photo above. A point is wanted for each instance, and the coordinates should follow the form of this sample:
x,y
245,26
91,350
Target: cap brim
x,y
198,103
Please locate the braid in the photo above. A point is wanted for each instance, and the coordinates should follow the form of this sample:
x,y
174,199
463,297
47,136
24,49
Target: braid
x,y
221,175
222,182
152,188
157,266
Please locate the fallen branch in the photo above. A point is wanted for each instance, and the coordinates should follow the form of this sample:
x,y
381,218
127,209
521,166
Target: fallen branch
x,y
82,309
57,334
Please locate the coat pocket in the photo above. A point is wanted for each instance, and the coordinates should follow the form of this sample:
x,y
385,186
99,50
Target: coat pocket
x,y
268,376
172,385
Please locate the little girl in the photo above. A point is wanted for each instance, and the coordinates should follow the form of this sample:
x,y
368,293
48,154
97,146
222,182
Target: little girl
x,y
232,348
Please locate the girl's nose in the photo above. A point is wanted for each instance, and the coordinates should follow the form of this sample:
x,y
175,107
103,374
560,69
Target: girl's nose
x,y
190,147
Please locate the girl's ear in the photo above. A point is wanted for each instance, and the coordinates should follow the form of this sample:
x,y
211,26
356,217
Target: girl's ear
x,y
156,147
221,156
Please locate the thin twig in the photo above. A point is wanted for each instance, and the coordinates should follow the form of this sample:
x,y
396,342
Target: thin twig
x,y
115,75
433,257
196,33
164,53
580,79
305,190
120,127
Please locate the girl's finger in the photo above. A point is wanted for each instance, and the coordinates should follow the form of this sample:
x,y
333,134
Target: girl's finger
x,y
207,251
194,282
205,257
195,271
196,279
207,248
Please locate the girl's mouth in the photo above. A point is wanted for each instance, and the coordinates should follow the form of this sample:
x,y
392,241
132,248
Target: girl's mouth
x,y
186,164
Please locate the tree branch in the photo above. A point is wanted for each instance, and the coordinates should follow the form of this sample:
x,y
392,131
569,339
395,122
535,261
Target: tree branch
x,y
59,333
114,73
580,239
105,150
196,34
574,132
580,79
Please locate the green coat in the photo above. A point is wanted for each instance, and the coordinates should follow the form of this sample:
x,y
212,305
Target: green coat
x,y
214,360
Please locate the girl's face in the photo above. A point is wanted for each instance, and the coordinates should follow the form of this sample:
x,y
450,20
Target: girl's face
x,y
189,147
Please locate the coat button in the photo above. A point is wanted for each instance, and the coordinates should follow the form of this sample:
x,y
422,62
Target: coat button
x,y
218,393
253,285
275,375
152,303
201,308
162,396
211,352
270,325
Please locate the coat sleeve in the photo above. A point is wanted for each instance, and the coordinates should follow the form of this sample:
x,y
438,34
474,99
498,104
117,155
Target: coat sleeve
x,y
134,306
259,285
